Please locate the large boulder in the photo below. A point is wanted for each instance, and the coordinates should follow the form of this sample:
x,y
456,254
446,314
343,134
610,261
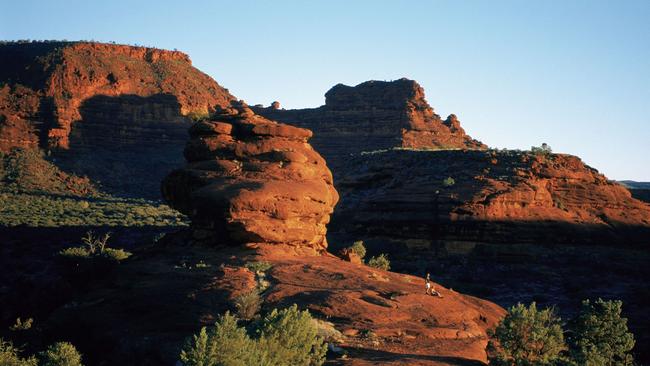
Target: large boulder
x,y
252,180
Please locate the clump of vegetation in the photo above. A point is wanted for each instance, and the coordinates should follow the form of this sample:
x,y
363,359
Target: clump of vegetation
x,y
544,150
27,170
258,267
198,115
38,210
58,354
599,335
527,336
359,249
10,356
248,304
448,182
61,354
283,337
21,325
381,262
95,247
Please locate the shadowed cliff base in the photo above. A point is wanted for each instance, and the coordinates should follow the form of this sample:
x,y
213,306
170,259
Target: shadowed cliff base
x,y
127,143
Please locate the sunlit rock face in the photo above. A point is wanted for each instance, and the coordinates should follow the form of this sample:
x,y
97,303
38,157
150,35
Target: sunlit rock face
x,y
374,115
251,180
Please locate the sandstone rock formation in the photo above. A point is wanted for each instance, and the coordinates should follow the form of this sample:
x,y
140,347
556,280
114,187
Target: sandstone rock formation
x,y
251,180
45,85
117,114
372,116
492,197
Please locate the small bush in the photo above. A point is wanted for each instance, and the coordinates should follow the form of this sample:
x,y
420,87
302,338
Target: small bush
x,y
10,356
61,354
289,337
543,150
258,266
22,325
95,248
526,337
599,335
448,182
381,262
248,305
359,248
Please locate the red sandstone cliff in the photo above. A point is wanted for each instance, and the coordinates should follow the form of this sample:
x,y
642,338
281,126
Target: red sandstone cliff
x,y
45,85
372,116
117,114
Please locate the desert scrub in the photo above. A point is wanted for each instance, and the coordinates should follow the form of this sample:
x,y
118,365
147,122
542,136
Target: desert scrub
x,y
359,249
43,210
94,247
258,267
248,304
283,337
381,262
61,354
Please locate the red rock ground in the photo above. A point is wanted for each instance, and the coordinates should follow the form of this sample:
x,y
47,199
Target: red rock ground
x,y
155,301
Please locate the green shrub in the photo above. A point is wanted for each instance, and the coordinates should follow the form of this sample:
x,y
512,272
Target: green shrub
x,y
285,337
599,335
526,337
359,248
248,304
22,325
543,150
258,266
225,345
448,182
95,248
9,356
61,354
289,337
381,262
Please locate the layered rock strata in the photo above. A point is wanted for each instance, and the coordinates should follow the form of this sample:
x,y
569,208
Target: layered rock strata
x,y
421,198
374,115
252,180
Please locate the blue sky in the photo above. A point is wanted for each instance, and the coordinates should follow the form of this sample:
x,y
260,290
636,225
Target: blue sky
x,y
574,74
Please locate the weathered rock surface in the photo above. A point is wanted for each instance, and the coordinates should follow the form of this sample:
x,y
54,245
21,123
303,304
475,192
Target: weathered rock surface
x,y
372,116
47,84
252,180
496,197
117,114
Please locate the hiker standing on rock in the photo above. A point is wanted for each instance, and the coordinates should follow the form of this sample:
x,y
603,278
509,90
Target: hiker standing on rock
x,y
429,289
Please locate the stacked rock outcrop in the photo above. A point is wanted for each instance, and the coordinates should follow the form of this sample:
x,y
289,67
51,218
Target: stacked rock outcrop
x,y
252,180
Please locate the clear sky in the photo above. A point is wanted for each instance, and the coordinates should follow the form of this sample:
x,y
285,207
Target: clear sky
x,y
574,74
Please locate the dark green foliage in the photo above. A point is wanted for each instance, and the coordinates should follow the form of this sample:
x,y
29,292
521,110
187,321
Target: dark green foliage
x,y
448,182
95,248
599,335
27,170
359,248
248,305
289,337
544,150
61,354
527,337
256,267
10,356
286,337
381,262
225,345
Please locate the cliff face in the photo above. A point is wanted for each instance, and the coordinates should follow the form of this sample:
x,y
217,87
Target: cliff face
x,y
118,114
423,198
372,116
